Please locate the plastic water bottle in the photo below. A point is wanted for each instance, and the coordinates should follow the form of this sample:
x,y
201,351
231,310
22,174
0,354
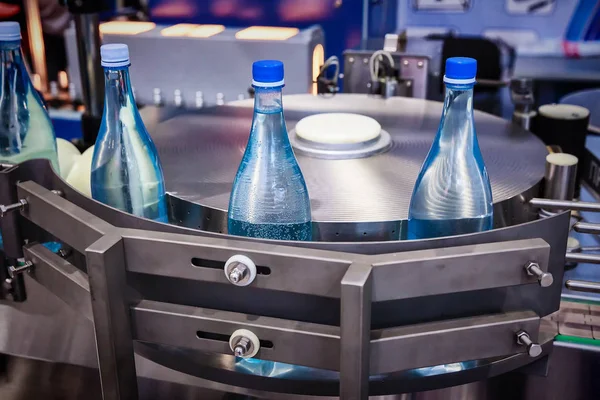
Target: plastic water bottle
x,y
126,171
452,195
269,198
25,128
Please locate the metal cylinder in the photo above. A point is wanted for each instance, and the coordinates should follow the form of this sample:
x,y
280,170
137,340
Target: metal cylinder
x,y
88,49
521,93
560,176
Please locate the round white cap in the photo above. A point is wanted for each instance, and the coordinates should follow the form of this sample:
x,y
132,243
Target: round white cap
x,y
114,55
10,31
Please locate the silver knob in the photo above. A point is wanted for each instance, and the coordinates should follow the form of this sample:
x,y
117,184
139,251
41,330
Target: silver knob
x,y
220,99
7,209
244,343
545,279
178,98
240,270
157,97
533,349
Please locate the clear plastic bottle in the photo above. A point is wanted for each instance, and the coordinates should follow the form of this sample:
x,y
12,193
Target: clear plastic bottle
x,y
25,128
269,198
453,194
126,170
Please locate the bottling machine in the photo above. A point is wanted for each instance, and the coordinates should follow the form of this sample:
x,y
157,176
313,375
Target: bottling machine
x,y
359,312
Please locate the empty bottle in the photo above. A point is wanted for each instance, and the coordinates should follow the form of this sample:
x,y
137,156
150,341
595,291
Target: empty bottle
x,y
452,194
126,170
269,198
25,128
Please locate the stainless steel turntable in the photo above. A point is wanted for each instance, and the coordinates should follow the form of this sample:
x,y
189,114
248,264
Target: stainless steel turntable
x,y
352,199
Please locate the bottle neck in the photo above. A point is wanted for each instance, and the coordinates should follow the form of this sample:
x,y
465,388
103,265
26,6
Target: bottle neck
x,y
14,72
118,92
268,100
457,117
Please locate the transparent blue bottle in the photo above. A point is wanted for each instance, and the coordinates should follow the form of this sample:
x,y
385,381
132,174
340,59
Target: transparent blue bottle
x,y
452,195
269,198
26,131
126,170
25,128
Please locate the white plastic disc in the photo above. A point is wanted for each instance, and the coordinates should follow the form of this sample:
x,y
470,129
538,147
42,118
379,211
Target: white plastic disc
x,y
238,258
338,128
235,336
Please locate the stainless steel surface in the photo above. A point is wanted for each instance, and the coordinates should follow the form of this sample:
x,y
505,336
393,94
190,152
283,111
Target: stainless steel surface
x,y
108,289
84,229
412,71
195,328
551,204
583,286
560,181
583,258
355,323
62,279
533,349
586,227
544,279
88,53
450,269
450,341
7,209
361,199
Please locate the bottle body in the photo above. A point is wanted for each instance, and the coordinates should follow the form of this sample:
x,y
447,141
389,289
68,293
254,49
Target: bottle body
x,y
26,130
126,171
269,198
452,194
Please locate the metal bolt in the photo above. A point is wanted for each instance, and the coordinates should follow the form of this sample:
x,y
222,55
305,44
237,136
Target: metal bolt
x,y
420,64
19,206
351,60
533,349
242,347
239,272
57,192
13,271
405,63
64,253
365,60
408,83
545,279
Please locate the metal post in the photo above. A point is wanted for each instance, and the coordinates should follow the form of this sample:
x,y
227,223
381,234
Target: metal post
x,y
107,277
355,327
560,177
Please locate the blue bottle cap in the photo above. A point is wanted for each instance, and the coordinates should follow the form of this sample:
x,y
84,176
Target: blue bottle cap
x,y
114,55
460,70
10,31
267,73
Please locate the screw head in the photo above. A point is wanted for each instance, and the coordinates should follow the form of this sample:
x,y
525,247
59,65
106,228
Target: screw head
x,y
239,351
534,350
546,279
405,63
420,64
